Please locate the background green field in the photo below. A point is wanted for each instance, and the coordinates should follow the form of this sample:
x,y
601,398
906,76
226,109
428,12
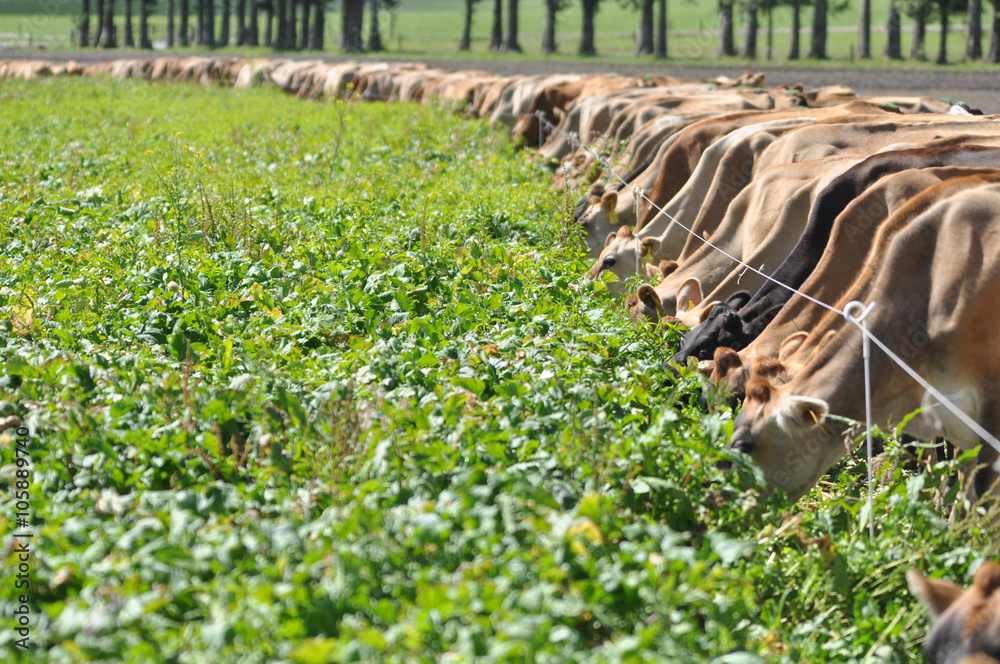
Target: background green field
x,y
316,382
426,28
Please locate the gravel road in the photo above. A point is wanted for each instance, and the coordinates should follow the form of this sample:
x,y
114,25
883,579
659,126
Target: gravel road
x,y
979,89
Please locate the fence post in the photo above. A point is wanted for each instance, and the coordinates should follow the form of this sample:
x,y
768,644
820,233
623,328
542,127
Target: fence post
x,y
860,321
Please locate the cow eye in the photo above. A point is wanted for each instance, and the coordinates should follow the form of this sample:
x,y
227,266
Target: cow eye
x,y
609,261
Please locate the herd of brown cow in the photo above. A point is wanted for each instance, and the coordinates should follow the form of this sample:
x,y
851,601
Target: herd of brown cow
x,y
892,201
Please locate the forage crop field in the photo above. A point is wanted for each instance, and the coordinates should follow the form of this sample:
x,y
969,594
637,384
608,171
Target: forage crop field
x,y
312,382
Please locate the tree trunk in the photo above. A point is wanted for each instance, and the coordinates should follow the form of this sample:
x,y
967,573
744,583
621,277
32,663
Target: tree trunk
x,y
549,27
208,38
352,21
465,41
974,38
304,33
748,49
129,35
496,35
865,30
587,36
318,26
770,30
170,23
510,42
817,49
281,11
269,25
919,30
942,58
199,28
144,41
83,26
241,22
227,15
726,47
994,54
644,35
661,31
291,26
893,40
793,50
99,28
253,29
108,30
185,12
374,33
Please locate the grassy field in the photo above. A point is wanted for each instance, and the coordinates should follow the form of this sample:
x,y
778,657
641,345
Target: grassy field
x,y
315,382
430,28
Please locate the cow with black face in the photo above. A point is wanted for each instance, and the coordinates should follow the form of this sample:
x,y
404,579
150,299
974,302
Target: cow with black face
x,y
724,328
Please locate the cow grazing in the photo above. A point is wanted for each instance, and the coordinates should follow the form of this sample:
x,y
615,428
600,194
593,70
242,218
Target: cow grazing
x,y
927,302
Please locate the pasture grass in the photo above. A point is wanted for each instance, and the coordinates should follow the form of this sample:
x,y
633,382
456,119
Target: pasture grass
x,y
431,28
320,382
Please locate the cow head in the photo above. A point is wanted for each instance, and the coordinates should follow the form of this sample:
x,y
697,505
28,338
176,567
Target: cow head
x,y
787,435
965,624
597,216
722,327
729,368
623,255
645,305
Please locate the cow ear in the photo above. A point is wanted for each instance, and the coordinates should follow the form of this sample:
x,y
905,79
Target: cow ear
x,y
647,294
652,270
609,200
758,389
738,299
706,311
625,232
726,359
936,596
559,113
689,295
650,245
987,578
790,345
611,238
667,268
802,413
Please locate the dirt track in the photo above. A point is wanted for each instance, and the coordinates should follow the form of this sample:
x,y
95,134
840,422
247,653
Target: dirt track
x,y
979,89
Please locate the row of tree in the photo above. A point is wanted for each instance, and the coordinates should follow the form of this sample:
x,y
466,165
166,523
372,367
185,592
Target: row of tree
x,y
300,24
921,12
502,42
279,24
653,20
